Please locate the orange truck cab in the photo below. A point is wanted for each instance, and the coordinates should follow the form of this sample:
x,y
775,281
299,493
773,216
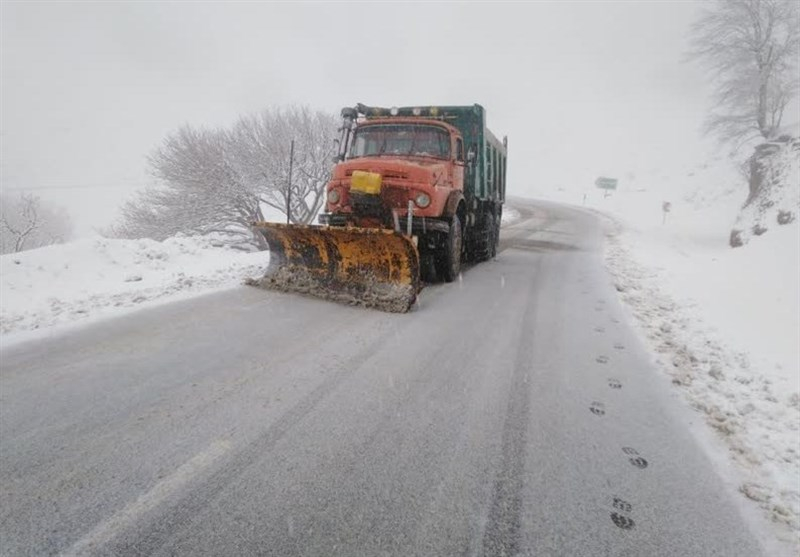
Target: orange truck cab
x,y
435,173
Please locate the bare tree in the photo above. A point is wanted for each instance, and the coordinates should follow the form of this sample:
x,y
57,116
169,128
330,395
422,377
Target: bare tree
x,y
220,180
26,222
751,48
198,191
271,133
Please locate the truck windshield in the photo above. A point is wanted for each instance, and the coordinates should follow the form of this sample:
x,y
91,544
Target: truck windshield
x,y
401,139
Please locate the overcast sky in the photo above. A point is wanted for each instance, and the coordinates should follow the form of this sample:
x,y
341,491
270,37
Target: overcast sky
x,y
579,88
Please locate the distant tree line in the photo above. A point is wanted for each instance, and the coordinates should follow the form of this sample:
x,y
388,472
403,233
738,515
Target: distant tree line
x,y
220,180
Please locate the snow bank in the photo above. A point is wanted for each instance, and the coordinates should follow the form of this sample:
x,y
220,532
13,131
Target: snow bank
x,y
728,337
87,279
510,215
724,323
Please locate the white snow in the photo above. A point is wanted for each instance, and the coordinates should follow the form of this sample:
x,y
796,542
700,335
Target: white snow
x,y
85,280
723,322
510,215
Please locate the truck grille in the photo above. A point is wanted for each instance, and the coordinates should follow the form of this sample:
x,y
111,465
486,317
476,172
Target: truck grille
x,y
390,174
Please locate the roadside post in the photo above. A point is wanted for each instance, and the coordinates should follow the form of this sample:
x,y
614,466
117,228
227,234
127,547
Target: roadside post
x,y
665,208
289,185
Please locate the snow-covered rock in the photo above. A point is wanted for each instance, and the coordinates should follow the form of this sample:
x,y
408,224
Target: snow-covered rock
x,y
774,198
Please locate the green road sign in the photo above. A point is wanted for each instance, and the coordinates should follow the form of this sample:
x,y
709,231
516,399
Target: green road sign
x,y
606,183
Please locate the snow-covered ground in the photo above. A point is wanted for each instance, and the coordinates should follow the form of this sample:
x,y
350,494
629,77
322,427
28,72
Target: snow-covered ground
x,y
47,289
723,322
510,215
50,288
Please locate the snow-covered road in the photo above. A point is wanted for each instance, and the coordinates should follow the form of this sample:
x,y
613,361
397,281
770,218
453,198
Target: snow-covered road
x,y
512,412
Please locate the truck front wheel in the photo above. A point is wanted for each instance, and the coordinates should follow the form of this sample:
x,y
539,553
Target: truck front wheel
x,y
448,260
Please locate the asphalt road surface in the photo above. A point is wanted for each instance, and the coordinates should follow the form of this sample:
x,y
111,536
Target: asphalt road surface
x,y
510,413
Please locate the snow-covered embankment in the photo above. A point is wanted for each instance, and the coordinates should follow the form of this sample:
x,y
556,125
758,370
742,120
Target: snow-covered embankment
x,y
724,323
88,279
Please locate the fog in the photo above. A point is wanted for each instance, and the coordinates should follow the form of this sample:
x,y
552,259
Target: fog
x,y
580,89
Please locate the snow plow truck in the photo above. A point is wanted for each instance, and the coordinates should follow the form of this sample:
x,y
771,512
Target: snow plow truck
x,y
414,192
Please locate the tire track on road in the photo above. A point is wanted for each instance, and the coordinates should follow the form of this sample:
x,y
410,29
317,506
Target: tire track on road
x,y
502,532
164,527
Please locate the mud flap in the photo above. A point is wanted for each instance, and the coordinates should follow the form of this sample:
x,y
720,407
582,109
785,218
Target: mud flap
x,y
358,266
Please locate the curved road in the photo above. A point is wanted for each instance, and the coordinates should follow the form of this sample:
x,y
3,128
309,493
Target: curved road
x,y
510,413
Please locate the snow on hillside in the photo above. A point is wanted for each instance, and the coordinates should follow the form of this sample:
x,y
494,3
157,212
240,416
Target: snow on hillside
x,y
723,322
87,279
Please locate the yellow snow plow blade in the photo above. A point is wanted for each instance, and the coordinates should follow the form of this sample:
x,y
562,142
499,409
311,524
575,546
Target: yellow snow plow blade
x,y
360,266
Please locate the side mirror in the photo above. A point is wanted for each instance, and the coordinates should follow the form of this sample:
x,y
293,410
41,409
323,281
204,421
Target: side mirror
x,y
471,154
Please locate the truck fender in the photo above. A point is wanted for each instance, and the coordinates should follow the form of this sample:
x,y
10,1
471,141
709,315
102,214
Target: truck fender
x,y
453,201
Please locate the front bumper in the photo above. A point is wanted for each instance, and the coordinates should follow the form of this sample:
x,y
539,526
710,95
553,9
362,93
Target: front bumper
x,y
419,225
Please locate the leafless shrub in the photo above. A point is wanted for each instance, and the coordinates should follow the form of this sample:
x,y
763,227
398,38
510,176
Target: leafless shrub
x,y
27,222
218,181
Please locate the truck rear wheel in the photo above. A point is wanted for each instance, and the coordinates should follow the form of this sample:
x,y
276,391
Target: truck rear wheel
x,y
448,260
494,237
487,241
491,237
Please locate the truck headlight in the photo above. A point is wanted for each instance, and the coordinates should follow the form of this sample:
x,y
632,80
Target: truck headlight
x,y
333,196
422,200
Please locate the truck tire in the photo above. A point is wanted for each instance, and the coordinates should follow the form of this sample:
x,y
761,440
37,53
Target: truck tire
x,y
495,237
491,237
487,241
427,268
448,261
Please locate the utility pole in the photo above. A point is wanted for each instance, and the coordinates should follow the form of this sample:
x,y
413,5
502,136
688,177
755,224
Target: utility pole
x,y
289,185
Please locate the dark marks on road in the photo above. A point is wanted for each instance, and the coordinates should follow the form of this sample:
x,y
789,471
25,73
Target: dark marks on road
x,y
622,521
639,462
635,459
597,408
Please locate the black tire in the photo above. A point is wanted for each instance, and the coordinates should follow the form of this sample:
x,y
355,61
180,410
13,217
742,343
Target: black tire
x,y
495,237
487,240
427,268
491,236
448,260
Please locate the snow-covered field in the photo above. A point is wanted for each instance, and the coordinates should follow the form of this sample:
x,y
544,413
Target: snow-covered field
x,y
723,322
47,289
